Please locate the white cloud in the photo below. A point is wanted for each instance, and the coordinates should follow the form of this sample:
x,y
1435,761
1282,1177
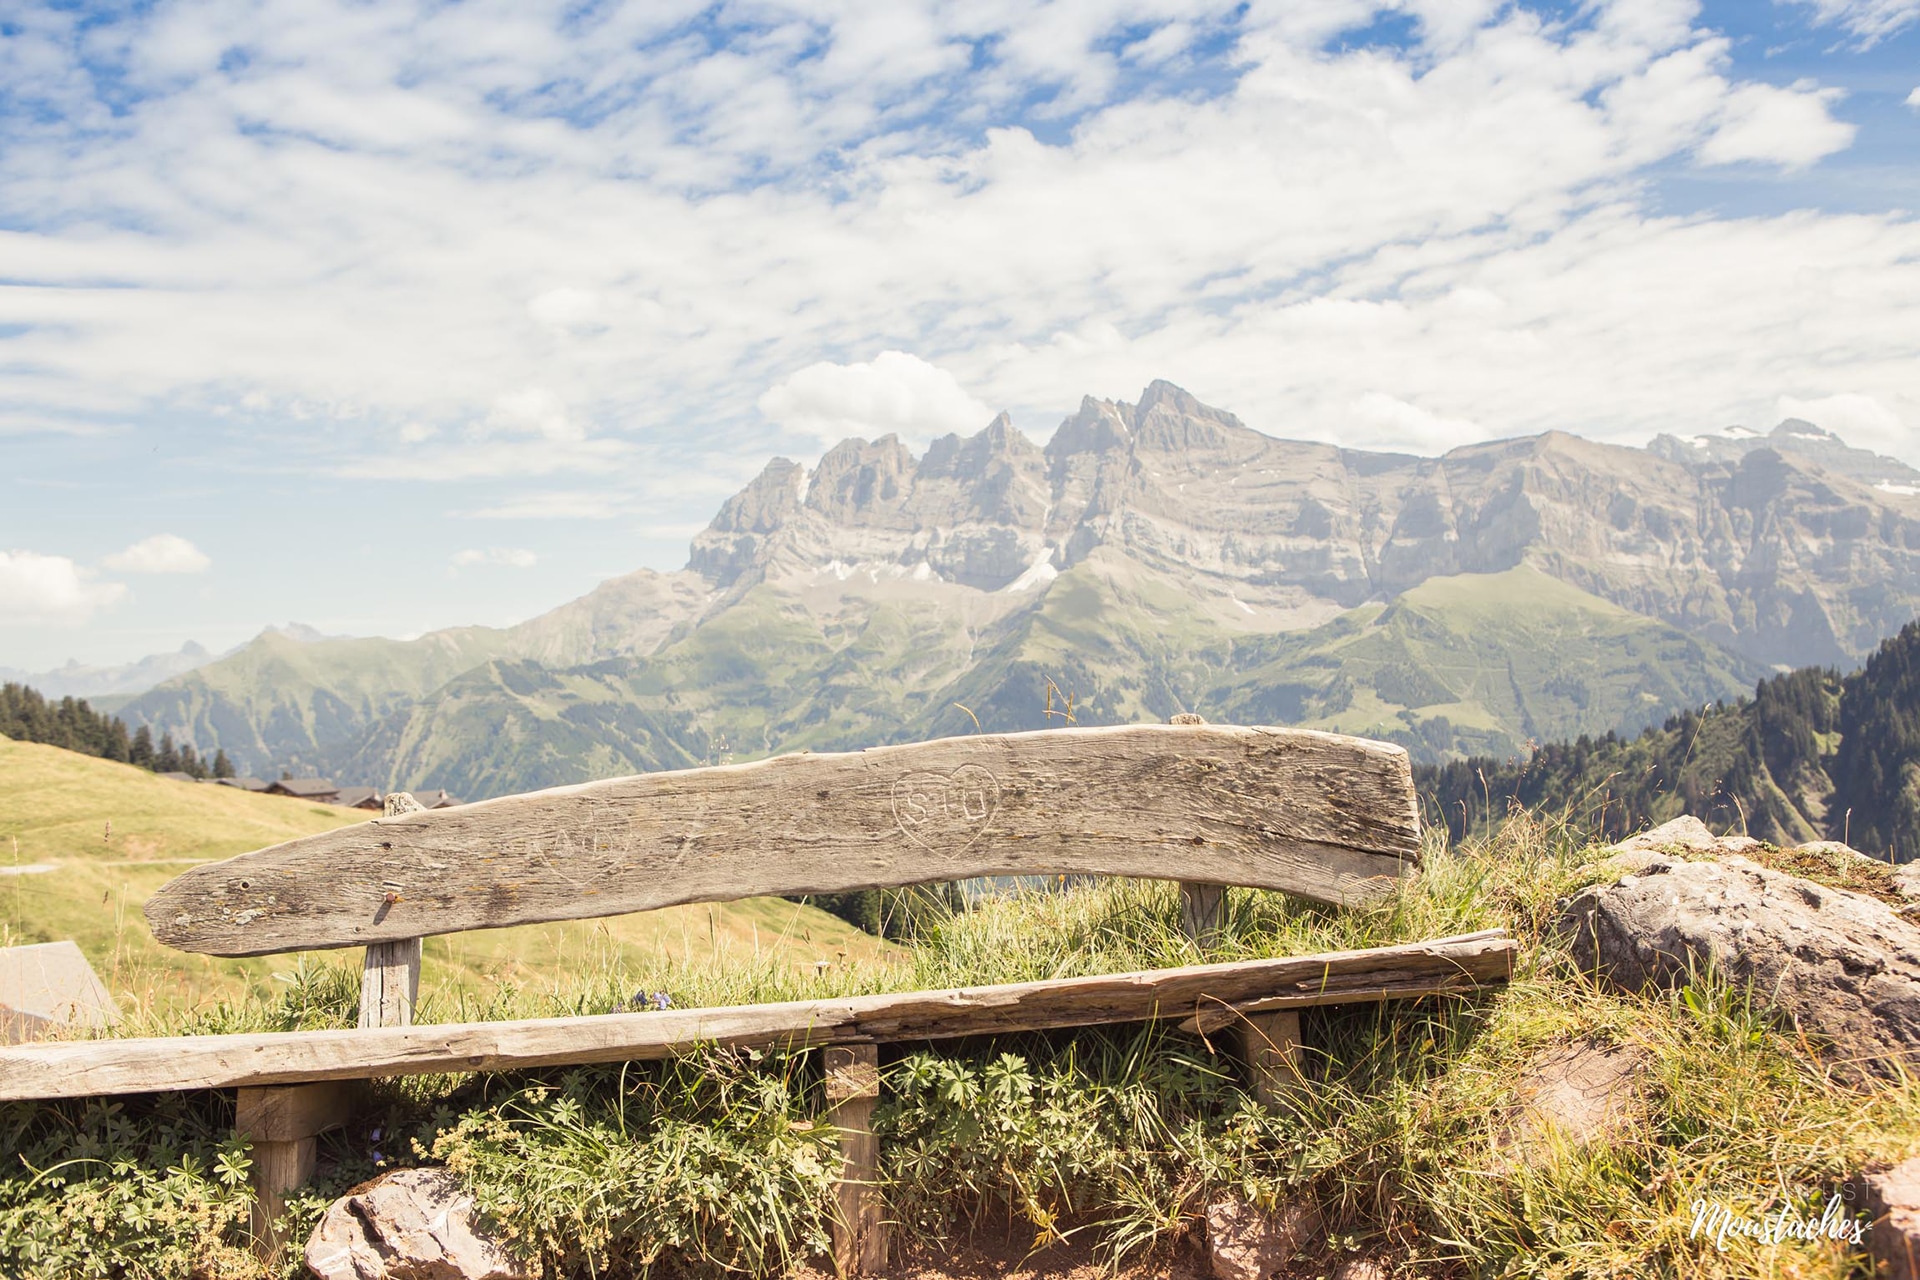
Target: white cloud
x,y
162,553
512,557
36,588
1392,423
1913,99
583,243
533,411
550,506
1870,20
1791,128
893,393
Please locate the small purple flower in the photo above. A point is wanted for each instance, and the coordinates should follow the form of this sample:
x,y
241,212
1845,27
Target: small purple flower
x,y
660,1000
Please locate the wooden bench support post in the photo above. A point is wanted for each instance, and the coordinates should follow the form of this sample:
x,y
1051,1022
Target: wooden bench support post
x,y
390,983
1272,1045
859,1230
1203,907
1202,911
282,1122
390,978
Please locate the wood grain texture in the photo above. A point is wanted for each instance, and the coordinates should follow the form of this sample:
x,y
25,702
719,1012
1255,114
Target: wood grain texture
x,y
859,1226
390,983
278,1167
1327,817
1203,909
1271,1042
81,1069
288,1112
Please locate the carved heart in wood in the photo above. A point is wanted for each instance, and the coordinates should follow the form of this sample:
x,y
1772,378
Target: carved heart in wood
x,y
946,813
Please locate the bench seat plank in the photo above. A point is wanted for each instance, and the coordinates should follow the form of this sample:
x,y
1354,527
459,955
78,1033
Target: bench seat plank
x,y
88,1068
1328,817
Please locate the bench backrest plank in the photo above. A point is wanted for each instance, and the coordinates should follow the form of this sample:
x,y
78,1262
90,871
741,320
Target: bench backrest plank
x,y
1320,815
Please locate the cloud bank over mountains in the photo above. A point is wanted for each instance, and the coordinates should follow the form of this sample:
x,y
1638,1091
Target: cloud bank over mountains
x,y
608,250
542,229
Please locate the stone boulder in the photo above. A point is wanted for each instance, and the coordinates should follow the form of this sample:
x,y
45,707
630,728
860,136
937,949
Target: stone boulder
x,y
1582,1092
1246,1243
411,1224
1685,833
1843,966
1892,1197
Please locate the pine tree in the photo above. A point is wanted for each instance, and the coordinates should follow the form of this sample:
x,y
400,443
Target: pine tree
x,y
222,767
140,751
167,759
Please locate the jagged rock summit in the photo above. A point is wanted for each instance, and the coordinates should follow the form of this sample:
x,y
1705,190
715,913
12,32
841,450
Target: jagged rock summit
x,y
1754,543
1148,558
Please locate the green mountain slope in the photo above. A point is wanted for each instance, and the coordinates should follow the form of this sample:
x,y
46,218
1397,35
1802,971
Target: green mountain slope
x,y
764,676
283,703
1151,557
1471,663
279,703
1481,663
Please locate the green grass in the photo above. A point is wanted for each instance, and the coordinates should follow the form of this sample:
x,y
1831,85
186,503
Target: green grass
x,y
1119,1136
1116,1136
111,834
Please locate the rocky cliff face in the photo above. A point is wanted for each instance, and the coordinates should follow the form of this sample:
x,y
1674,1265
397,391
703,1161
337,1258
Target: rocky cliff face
x,y
1152,557
1790,549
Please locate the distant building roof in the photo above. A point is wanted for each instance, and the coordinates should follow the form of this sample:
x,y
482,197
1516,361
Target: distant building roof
x,y
436,799
178,776
304,789
359,797
245,784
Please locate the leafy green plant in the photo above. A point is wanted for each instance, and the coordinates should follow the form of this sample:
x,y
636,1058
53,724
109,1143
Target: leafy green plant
x,y
707,1162
150,1190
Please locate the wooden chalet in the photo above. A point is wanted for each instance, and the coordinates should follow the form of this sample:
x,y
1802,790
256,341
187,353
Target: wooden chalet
x,y
316,789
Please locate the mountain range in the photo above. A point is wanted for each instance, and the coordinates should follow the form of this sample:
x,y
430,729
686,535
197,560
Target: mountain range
x,y
1150,558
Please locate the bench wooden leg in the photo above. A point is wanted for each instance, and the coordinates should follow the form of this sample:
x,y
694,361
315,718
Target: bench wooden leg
x,y
1272,1044
859,1229
282,1122
278,1167
390,983
1203,909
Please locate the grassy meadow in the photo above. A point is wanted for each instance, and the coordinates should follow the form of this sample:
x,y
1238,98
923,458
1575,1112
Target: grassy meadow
x,y
84,841
1409,1136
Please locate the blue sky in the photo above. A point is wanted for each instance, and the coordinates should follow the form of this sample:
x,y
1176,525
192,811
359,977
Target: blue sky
x,y
390,316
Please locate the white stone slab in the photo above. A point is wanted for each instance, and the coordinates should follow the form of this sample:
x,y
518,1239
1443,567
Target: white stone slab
x,y
50,985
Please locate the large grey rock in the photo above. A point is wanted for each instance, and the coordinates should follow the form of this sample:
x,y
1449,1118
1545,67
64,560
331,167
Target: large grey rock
x,y
1246,1243
411,1224
1892,1198
48,986
1686,833
1845,967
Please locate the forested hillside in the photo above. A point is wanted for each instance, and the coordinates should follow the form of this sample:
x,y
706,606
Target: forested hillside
x,y
1809,756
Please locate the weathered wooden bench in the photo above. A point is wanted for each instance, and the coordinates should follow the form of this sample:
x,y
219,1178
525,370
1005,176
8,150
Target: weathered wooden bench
x,y
1325,817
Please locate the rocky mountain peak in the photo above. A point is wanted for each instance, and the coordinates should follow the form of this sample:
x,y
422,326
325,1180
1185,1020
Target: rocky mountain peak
x,y
732,544
1095,427
1796,437
1754,542
862,482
